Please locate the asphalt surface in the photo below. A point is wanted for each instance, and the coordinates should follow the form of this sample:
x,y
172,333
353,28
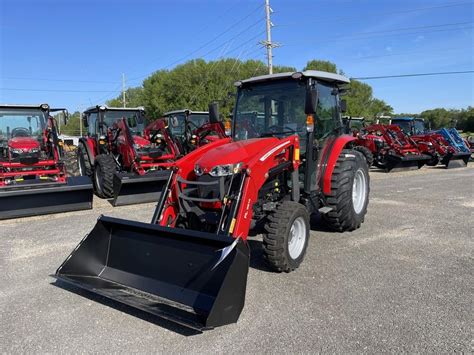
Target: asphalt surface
x,y
402,282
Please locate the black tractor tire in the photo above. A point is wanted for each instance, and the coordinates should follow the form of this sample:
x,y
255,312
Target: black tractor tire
x,y
290,220
83,161
369,157
433,161
351,172
104,171
70,161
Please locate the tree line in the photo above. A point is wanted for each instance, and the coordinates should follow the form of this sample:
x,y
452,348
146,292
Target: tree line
x,y
197,82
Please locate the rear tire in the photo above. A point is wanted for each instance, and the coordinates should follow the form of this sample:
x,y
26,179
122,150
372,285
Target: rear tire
x,y
369,157
286,238
349,195
70,161
83,162
104,175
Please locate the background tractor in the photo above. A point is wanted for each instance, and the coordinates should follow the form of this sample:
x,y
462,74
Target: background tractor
x,y
126,159
391,148
452,136
432,143
34,175
287,159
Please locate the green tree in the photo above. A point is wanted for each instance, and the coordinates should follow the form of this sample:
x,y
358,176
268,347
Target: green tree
x,y
323,65
73,125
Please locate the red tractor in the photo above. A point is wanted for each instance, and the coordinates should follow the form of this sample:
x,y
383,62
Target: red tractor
x,y
390,147
126,159
431,143
191,129
34,178
287,159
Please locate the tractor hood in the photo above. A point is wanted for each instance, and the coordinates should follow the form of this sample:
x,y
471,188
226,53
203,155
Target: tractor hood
x,y
236,152
140,141
25,143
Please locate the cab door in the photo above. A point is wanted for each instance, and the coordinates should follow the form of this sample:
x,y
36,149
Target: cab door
x,y
327,126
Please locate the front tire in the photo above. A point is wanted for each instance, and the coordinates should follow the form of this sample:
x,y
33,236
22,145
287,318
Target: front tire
x,y
83,162
286,238
70,162
349,195
104,175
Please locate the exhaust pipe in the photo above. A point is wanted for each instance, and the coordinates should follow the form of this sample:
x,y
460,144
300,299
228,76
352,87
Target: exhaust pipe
x,y
192,278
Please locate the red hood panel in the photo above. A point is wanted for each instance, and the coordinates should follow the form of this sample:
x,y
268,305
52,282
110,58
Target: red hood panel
x,y
140,141
236,152
23,143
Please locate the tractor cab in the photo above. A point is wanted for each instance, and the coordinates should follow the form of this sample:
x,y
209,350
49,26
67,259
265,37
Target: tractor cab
x,y
98,119
28,134
305,104
191,129
353,124
411,126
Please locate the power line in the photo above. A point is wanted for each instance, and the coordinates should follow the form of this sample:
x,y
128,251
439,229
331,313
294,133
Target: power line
x,y
59,80
52,90
235,24
413,75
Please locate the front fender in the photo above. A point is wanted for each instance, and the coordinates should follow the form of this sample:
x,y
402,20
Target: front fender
x,y
337,146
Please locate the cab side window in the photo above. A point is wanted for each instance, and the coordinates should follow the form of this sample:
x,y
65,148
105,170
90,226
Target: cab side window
x,y
326,113
92,119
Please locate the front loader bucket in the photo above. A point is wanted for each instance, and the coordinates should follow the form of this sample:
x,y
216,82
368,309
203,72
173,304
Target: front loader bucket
x,y
44,198
130,189
192,278
403,163
457,160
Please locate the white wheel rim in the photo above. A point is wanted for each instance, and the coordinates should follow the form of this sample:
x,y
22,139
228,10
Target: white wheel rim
x,y
359,191
297,238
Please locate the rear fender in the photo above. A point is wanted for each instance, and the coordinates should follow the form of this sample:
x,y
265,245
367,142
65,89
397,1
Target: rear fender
x,y
89,145
337,146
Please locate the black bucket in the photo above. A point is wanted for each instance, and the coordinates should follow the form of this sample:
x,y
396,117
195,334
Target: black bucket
x,y
408,162
44,198
457,160
130,189
192,278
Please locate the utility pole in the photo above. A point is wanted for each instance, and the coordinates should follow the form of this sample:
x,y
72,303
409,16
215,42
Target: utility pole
x,y
268,43
123,90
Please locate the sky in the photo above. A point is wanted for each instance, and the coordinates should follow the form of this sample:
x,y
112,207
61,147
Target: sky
x,y
72,53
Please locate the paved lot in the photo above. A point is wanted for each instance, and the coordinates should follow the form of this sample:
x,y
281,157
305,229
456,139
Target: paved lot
x,y
403,282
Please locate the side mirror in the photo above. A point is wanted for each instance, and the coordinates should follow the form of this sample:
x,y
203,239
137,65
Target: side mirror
x,y
85,122
65,117
311,99
343,105
214,112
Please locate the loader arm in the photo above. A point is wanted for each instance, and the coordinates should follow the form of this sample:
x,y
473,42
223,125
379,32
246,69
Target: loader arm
x,y
161,127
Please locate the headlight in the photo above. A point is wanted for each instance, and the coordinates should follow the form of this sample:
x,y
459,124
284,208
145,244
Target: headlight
x,y
429,144
34,150
225,170
17,151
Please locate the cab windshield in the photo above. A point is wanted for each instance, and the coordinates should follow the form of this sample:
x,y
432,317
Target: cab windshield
x,y
270,109
15,123
419,127
177,124
134,120
356,124
404,125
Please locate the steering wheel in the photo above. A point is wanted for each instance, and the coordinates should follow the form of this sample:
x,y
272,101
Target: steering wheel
x,y
20,132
